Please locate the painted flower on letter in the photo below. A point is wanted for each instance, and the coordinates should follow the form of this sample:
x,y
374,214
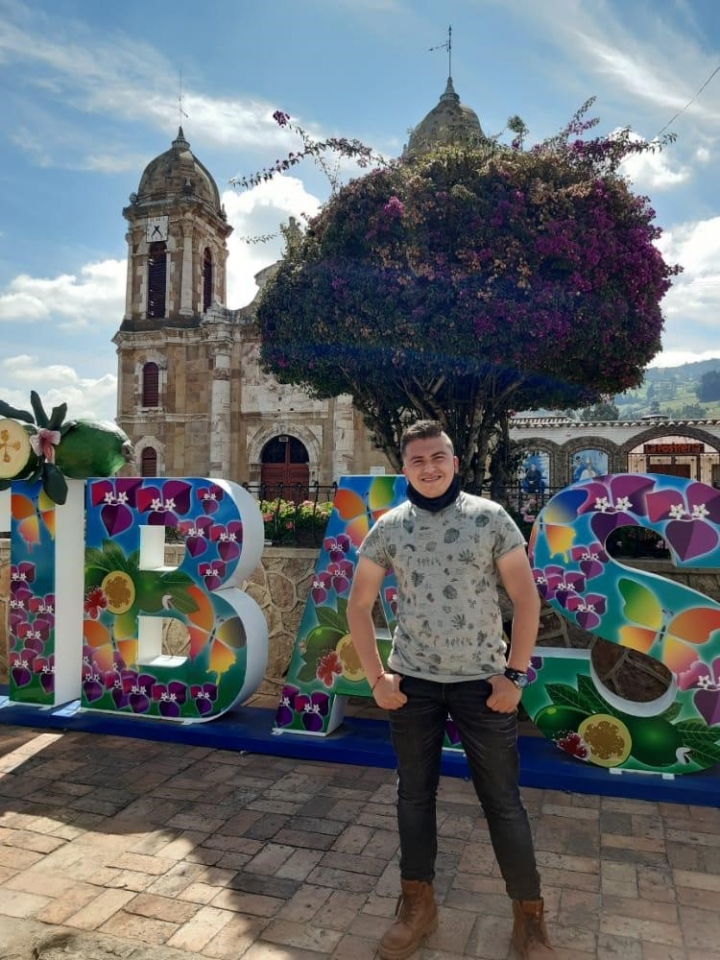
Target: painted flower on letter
x,y
286,708
210,497
163,504
118,499
169,697
196,535
693,518
204,696
590,559
313,709
707,681
588,609
328,668
95,601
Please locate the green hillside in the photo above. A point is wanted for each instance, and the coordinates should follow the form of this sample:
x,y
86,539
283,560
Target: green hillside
x,y
672,392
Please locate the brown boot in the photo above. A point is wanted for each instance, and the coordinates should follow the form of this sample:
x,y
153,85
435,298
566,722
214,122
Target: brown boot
x,y
416,917
530,937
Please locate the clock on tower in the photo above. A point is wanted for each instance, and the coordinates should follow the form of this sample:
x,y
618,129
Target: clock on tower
x,y
157,229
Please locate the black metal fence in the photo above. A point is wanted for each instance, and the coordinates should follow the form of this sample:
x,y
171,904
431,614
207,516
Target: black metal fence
x,y
297,515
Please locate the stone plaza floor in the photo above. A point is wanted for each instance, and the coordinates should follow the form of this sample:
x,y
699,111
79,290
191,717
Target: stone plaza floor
x,y
137,850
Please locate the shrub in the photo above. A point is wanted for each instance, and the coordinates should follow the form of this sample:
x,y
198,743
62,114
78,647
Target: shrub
x,y
290,522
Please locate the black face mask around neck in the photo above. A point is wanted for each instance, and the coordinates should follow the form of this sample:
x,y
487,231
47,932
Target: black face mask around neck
x,y
433,504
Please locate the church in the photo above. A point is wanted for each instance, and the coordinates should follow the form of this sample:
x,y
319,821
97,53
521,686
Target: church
x,y
191,394
193,398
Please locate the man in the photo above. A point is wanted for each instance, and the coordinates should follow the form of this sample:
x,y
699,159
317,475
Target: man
x,y
448,549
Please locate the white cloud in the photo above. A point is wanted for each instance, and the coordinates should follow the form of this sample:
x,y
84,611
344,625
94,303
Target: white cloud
x,y
676,358
87,398
653,171
69,65
97,296
112,162
692,307
653,57
259,212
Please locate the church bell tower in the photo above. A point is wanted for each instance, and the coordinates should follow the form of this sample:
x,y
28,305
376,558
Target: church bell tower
x,y
175,346
177,242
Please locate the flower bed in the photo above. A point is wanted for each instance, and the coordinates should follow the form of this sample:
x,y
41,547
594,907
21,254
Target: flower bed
x,y
287,522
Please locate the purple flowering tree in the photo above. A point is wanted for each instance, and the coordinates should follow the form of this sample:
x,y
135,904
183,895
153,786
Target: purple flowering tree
x,y
471,282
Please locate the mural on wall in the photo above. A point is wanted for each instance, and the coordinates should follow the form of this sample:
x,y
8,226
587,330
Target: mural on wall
x,y
588,464
535,474
680,627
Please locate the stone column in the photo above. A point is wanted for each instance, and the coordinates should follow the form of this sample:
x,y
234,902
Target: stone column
x,y
343,437
220,417
129,278
186,274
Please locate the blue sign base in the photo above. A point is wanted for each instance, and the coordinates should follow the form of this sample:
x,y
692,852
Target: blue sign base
x,y
366,743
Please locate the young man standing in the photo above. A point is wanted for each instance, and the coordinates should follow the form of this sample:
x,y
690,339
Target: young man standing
x,y
448,550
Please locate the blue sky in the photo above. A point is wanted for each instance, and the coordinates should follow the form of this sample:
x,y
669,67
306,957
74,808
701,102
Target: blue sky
x,y
90,94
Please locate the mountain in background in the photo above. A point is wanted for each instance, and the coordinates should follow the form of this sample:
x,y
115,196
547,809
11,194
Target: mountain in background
x,y
672,392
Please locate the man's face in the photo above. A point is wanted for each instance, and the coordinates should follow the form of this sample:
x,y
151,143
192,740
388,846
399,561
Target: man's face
x,y
429,465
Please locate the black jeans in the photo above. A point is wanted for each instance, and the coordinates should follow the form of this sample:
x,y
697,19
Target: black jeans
x,y
490,743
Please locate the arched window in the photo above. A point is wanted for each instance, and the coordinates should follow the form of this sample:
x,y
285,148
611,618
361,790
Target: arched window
x,y
150,385
148,462
207,279
157,276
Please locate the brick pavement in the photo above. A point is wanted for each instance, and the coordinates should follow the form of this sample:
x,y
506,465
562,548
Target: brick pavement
x,y
121,849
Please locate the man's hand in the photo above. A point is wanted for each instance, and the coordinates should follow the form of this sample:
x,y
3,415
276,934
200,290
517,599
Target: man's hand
x,y
505,696
387,692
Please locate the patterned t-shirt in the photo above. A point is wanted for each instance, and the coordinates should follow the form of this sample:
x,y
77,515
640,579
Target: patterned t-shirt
x,y
449,625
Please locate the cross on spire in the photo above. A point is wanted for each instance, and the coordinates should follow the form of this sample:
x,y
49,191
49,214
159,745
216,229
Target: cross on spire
x,y
446,46
180,100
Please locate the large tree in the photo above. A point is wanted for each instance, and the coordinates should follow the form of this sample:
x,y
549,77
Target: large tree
x,y
470,282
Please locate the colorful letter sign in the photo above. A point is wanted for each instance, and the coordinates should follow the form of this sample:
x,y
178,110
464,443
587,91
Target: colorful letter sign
x,y
129,593
325,669
91,595
679,733
87,612
46,590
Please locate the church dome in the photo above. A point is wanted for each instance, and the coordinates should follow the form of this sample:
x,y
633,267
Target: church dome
x,y
176,173
448,122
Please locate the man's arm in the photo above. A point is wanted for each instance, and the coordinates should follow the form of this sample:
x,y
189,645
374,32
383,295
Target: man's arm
x,y
366,583
517,578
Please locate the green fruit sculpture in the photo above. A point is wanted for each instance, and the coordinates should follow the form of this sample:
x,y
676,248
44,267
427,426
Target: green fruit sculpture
x,y
17,459
42,446
92,449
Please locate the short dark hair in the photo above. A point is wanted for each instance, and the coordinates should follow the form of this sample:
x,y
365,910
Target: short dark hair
x,y
422,430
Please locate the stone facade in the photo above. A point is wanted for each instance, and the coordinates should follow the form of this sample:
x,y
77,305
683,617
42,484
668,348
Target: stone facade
x,y
626,443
